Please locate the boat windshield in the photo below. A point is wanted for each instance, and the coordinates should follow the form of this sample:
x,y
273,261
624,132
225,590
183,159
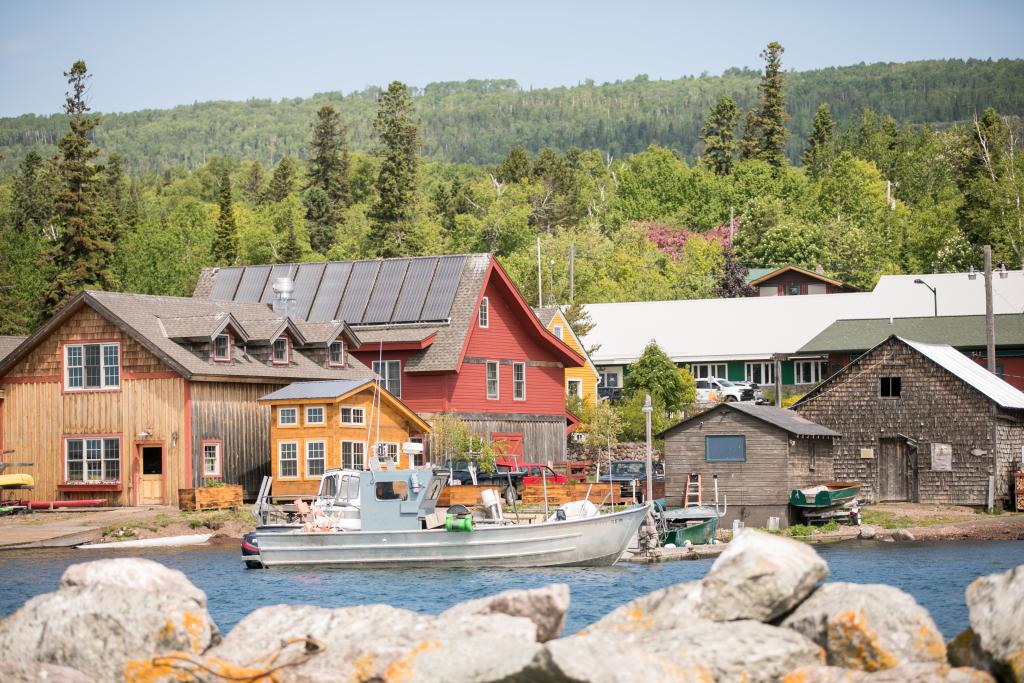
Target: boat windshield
x,y
628,469
349,489
328,487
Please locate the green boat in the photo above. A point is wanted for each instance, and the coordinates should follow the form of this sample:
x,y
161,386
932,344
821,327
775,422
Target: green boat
x,y
829,494
699,533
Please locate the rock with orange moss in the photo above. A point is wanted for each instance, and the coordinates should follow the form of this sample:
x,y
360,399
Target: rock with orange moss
x,y
601,658
918,673
547,607
868,627
107,612
996,637
672,607
25,671
760,576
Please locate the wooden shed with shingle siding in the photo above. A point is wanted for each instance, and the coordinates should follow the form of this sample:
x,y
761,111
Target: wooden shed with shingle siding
x,y
758,454
922,423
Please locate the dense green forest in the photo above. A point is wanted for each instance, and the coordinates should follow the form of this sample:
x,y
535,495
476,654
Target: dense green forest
x,y
477,122
871,193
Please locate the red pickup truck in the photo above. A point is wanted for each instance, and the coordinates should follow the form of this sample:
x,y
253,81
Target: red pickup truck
x,y
531,471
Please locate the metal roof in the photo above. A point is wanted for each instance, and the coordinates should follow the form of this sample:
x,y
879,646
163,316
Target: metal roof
x,y
326,389
977,376
959,331
783,418
754,328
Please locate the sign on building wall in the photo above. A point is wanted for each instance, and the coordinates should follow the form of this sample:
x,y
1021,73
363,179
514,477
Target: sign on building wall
x,y
867,453
942,457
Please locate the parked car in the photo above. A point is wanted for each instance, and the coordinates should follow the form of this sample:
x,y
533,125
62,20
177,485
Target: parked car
x,y
509,482
758,394
533,473
718,389
631,475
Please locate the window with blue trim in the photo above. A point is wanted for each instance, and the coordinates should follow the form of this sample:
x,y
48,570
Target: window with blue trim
x,y
725,448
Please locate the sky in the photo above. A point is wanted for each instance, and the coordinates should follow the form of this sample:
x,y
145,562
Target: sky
x,y
160,54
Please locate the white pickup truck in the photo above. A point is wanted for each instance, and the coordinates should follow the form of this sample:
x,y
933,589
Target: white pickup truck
x,y
712,389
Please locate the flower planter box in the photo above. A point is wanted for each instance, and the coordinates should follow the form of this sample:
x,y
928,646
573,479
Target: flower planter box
x,y
210,498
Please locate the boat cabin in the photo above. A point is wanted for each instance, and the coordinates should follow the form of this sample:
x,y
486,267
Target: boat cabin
x,y
382,499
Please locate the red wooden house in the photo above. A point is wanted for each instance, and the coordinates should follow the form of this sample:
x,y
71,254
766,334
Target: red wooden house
x,y
445,334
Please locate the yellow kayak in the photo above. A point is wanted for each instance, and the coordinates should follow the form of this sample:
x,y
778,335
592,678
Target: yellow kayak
x,y
16,480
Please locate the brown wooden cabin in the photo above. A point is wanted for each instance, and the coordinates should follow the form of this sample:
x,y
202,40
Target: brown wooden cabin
x,y
794,281
129,397
922,423
317,426
759,454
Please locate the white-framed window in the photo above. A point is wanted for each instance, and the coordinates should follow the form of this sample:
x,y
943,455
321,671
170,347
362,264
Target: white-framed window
x,y
759,373
419,459
809,371
281,351
353,416
574,387
519,381
387,450
314,415
484,319
288,459
558,331
92,367
336,354
492,379
222,347
211,459
92,459
316,458
609,380
390,372
353,455
287,416
705,370
768,290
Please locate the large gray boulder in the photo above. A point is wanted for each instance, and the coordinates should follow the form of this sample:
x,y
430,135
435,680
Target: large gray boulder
x,y
672,607
995,639
868,627
603,658
905,673
26,671
546,607
760,576
108,612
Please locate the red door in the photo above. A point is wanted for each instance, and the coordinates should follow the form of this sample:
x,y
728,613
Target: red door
x,y
510,443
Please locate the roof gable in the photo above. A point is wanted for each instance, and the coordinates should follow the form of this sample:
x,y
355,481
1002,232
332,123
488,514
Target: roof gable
x,y
554,315
336,391
781,418
796,269
960,331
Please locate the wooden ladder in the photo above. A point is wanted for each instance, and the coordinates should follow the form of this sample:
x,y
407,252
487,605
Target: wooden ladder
x,y
694,493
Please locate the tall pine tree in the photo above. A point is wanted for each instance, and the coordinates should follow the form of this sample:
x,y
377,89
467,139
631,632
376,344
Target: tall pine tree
x,y
719,136
31,194
282,182
328,163
82,254
516,166
764,136
290,252
252,186
396,182
821,143
225,240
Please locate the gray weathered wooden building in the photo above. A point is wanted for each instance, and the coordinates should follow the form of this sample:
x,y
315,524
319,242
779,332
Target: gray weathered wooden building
x,y
759,454
923,423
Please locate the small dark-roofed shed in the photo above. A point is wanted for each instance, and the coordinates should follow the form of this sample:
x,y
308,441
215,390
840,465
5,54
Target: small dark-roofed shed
x,y
759,454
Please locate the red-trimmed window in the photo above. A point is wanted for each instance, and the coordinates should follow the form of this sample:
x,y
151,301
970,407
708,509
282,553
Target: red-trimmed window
x,y
222,348
212,464
281,351
92,367
485,314
92,459
336,354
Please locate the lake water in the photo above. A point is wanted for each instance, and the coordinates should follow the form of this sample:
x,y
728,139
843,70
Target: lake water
x,y
936,574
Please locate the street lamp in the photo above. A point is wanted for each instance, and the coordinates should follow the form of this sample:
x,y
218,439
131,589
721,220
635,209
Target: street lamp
x,y
935,294
648,409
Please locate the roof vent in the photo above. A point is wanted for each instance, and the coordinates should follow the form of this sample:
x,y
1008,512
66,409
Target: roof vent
x,y
283,303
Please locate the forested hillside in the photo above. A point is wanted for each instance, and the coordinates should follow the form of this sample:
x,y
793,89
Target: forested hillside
x,y
477,122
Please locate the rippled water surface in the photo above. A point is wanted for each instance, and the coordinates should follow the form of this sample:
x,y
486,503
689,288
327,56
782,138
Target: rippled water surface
x,y
936,574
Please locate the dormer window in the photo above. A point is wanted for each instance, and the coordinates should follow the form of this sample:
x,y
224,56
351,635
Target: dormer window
x,y
485,313
336,355
281,351
222,347
558,332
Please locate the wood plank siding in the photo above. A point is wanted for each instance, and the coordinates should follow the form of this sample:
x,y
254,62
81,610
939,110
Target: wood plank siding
x,y
543,435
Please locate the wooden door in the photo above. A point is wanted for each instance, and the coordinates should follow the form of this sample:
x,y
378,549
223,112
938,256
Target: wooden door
x,y
893,479
151,484
511,444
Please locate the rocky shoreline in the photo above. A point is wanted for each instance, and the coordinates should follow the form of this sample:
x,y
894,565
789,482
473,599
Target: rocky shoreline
x,y
761,614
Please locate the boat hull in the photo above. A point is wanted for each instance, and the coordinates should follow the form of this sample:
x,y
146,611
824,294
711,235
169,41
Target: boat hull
x,y
837,493
594,541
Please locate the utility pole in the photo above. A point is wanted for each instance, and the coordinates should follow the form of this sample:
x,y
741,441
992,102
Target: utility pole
x,y
648,409
990,321
540,279
572,271
777,371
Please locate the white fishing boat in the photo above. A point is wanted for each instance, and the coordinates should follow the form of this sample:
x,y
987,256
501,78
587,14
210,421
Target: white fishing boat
x,y
388,518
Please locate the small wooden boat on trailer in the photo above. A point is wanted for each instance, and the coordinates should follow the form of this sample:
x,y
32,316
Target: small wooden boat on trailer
x,y
388,518
828,501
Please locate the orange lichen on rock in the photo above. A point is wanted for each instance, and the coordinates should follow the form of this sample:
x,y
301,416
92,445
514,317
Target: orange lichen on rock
x,y
363,668
928,642
853,644
400,670
182,666
194,626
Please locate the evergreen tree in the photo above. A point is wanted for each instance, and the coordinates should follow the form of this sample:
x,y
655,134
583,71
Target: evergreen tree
x,y
31,194
225,240
765,134
252,186
82,254
321,219
398,132
282,182
328,163
820,143
516,166
719,136
290,252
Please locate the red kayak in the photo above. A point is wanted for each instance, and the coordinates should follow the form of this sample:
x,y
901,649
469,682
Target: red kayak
x,y
50,504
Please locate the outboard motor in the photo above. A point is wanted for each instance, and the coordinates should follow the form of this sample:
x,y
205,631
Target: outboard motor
x,y
251,551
